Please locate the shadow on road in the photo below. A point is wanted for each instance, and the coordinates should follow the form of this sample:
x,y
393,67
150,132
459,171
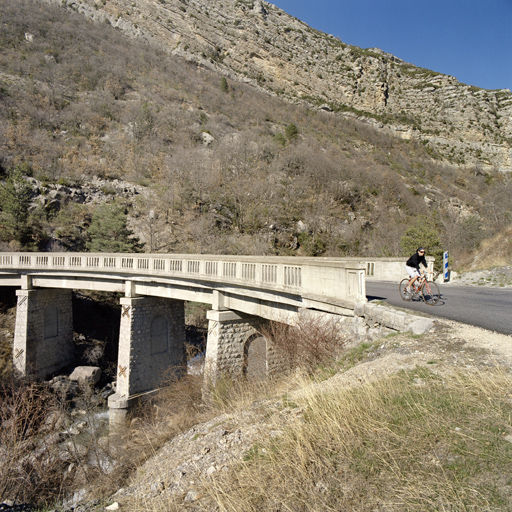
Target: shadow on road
x,y
372,297
397,301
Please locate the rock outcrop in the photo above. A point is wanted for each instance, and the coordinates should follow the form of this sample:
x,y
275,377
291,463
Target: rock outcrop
x,y
256,42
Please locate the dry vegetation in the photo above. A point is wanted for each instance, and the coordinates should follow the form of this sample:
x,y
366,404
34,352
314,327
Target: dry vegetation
x,y
311,341
435,436
430,437
413,441
493,252
29,468
41,462
79,100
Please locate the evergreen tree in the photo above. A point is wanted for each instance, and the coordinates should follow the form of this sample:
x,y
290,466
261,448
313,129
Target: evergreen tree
x,y
109,232
15,196
423,233
224,87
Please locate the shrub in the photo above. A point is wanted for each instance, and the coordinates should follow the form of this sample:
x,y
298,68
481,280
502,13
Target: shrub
x,y
31,468
291,131
279,138
312,340
224,87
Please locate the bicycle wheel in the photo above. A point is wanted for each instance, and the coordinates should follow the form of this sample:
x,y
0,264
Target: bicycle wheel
x,y
430,292
405,295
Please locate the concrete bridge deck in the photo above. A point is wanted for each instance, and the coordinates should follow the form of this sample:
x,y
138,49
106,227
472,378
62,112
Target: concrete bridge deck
x,y
244,291
242,283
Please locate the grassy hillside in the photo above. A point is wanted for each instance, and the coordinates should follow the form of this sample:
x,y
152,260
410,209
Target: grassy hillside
x,y
408,423
228,168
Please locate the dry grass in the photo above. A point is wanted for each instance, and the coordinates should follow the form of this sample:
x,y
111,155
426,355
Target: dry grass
x,y
174,409
411,442
414,441
494,252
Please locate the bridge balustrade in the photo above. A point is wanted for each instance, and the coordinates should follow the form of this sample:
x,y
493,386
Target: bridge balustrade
x,y
320,277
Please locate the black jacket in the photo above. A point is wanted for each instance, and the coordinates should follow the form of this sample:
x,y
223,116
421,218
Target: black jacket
x,y
415,260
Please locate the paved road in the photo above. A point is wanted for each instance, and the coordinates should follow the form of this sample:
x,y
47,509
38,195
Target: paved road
x,y
489,308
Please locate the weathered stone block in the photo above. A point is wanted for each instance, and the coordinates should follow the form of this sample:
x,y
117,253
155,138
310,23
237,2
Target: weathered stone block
x,y
86,375
420,325
359,308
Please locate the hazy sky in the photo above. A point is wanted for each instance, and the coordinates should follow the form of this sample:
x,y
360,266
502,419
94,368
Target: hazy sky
x,y
468,39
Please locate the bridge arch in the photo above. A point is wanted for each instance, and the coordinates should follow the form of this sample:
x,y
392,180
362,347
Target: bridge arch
x,y
256,358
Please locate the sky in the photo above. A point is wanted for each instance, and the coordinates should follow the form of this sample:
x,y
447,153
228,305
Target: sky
x,y
468,39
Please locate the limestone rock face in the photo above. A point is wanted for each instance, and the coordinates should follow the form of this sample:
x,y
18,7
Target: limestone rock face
x,y
254,41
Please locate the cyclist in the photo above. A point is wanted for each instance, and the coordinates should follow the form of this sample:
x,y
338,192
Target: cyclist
x,y
413,267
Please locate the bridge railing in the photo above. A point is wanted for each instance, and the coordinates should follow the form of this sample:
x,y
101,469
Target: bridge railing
x,y
318,277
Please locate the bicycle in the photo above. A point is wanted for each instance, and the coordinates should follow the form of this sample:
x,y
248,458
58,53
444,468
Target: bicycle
x,y
428,289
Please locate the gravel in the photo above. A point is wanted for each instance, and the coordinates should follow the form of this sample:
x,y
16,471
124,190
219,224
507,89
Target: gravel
x,y
495,277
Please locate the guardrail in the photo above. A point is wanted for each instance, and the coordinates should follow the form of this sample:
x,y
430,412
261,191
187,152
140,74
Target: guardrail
x,y
319,277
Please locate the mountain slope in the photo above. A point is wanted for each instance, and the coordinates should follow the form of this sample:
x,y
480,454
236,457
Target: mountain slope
x,y
256,42
225,166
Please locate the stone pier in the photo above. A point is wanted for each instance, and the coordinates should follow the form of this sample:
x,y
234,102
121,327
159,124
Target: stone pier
x,y
236,347
151,348
43,336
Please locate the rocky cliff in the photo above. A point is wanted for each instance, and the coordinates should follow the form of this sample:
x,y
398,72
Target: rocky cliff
x,y
256,42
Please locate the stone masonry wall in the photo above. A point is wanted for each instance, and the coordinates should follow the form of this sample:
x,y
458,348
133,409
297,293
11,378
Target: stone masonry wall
x,y
43,338
151,343
227,335
230,338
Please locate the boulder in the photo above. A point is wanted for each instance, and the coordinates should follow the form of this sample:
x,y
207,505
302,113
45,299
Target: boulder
x,y
64,387
86,375
420,326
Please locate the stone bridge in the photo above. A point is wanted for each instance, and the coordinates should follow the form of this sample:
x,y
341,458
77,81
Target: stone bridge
x,y
243,291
